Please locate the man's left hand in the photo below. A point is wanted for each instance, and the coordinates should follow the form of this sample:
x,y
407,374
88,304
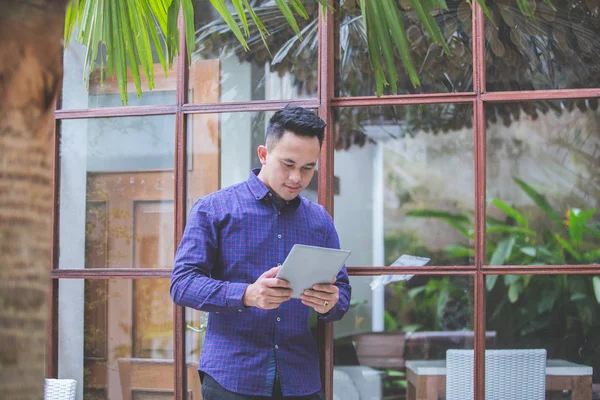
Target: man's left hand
x,y
322,297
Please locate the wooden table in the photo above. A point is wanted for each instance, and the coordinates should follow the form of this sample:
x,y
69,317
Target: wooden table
x,y
427,379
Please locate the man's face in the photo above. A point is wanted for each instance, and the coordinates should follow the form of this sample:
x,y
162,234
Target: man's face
x,y
289,165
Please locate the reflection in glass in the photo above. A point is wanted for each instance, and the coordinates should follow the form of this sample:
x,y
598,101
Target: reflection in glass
x,y
437,71
405,175
116,338
554,48
396,325
222,71
75,94
558,313
116,193
543,184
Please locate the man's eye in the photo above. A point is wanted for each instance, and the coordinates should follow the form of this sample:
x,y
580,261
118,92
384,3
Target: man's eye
x,y
307,168
288,165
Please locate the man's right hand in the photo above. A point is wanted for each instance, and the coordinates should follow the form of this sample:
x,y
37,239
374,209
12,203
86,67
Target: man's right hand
x,y
267,292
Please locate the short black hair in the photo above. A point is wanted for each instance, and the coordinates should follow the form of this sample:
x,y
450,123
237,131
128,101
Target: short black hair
x,y
295,119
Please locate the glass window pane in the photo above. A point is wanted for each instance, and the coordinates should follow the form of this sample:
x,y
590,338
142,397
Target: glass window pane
x,y
116,192
555,48
222,71
557,313
405,176
116,338
75,95
438,72
397,326
543,183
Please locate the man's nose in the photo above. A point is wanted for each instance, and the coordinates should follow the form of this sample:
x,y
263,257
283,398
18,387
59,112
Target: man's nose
x,y
295,176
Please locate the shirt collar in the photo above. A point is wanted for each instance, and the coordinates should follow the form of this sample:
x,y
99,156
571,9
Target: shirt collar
x,y
260,190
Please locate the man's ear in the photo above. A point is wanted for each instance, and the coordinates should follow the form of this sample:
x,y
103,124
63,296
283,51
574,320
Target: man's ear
x,y
262,154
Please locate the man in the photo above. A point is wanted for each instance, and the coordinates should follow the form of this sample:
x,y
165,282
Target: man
x,y
258,342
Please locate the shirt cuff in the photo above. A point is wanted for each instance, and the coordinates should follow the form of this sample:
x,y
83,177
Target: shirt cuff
x,y
235,293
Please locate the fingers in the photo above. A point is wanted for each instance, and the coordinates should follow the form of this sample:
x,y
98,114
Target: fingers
x,y
270,273
326,288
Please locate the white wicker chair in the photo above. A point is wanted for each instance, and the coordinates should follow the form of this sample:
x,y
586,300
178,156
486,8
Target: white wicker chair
x,y
343,386
509,374
60,389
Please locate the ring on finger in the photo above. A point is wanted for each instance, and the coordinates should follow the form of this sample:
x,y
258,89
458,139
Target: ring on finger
x,y
326,303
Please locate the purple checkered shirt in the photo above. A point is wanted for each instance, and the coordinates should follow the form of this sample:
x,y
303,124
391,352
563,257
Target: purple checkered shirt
x,y
232,236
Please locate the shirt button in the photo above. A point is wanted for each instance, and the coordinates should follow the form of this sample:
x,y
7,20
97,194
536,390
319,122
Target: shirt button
x,y
239,310
279,236
270,194
279,264
276,346
278,319
279,212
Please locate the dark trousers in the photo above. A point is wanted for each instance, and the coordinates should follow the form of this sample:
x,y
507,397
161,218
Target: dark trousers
x,y
211,390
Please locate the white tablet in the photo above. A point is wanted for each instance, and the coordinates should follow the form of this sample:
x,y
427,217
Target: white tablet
x,y
306,266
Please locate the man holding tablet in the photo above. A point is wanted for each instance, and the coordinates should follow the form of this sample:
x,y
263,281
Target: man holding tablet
x,y
258,342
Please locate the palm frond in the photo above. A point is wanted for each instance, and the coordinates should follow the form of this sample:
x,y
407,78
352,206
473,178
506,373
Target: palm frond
x,y
132,33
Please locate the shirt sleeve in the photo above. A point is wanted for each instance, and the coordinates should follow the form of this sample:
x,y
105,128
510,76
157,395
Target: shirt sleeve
x,y
196,257
342,281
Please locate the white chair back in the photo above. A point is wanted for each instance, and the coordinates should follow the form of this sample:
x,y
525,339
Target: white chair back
x,y
60,389
509,374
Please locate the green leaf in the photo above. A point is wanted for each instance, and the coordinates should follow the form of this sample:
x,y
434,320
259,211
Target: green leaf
x,y
385,43
503,251
262,31
592,257
596,284
289,17
547,300
528,250
568,247
411,328
222,9
297,4
578,296
490,282
508,210
241,13
396,26
172,30
457,221
374,56
459,251
540,200
412,293
188,22
577,223
422,9
485,9
514,291
511,229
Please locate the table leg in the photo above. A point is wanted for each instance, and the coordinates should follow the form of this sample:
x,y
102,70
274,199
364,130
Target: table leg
x,y
411,392
582,388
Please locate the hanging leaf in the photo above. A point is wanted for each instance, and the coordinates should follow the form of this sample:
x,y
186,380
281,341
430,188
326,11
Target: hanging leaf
x,y
131,32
